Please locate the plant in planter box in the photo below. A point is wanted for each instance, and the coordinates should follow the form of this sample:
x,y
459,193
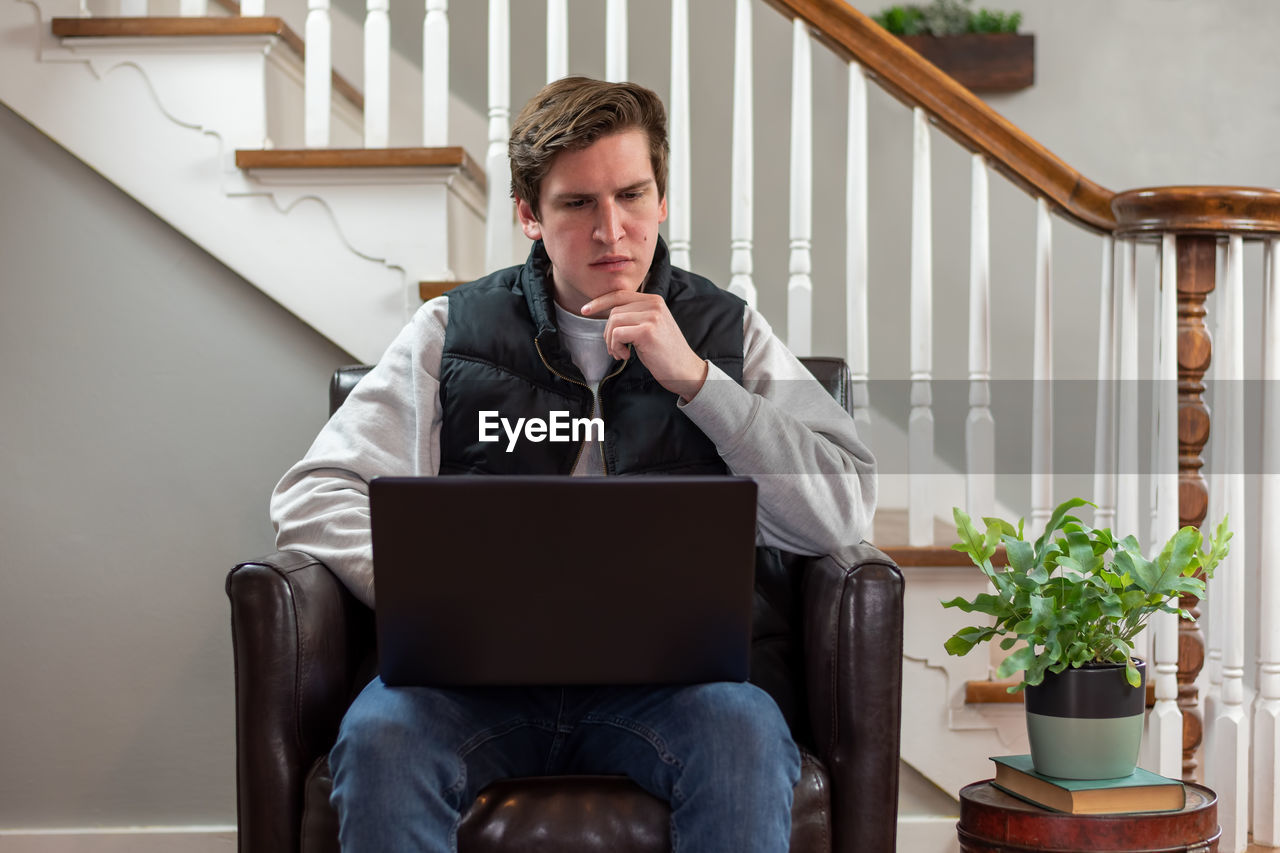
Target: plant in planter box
x,y
945,18
1075,599
980,49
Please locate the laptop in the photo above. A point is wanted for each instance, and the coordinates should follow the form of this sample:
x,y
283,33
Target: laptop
x,y
563,580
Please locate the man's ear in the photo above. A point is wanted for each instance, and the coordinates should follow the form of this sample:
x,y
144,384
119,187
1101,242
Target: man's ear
x,y
529,223
662,210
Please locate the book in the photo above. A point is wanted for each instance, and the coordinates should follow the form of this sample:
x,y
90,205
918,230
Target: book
x,y
1141,791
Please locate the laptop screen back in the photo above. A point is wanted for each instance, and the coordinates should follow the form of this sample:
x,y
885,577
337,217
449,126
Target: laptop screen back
x,y
559,580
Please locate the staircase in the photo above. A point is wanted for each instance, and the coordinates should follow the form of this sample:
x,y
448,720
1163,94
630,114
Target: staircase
x,y
210,121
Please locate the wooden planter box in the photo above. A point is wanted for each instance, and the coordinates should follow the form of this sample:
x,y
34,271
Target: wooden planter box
x,y
983,62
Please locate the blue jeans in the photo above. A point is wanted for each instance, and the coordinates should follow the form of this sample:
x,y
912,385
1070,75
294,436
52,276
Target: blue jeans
x,y
409,761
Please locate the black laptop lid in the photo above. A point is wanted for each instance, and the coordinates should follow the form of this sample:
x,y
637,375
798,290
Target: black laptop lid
x,y
560,580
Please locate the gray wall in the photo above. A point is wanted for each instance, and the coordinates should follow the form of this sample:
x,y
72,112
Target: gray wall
x,y
150,400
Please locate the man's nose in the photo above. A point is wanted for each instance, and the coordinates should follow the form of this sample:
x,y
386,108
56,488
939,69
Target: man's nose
x,y
608,223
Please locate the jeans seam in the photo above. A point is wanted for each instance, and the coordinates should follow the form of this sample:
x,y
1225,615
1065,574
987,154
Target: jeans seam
x,y
480,739
659,745
655,740
559,730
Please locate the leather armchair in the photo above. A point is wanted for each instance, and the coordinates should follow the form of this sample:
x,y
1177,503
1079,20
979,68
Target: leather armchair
x,y
827,645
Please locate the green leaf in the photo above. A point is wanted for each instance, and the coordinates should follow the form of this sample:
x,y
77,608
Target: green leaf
x,y
1219,548
983,602
1072,565
963,641
1142,570
971,542
1058,517
1020,660
1042,612
1178,557
1022,557
1111,606
1005,528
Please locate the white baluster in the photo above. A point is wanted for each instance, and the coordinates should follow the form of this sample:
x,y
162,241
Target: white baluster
x,y
741,213
980,436
799,285
1153,522
1127,478
1266,714
498,225
1165,722
557,39
1217,498
133,8
1104,460
1231,737
857,322
1042,373
435,74
252,8
920,426
200,9
318,73
680,208
377,73
615,41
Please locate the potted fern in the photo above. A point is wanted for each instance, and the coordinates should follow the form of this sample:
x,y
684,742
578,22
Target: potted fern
x,y
981,49
1070,605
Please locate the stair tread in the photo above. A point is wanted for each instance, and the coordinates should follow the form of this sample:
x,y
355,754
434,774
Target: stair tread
x,y
432,289
190,26
361,158
166,26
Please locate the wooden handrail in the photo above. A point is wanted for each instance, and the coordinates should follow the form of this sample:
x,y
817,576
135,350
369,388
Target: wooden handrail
x,y
1198,210
955,110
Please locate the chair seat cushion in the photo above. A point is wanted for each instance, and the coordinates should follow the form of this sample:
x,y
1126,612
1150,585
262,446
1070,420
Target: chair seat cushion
x,y
572,814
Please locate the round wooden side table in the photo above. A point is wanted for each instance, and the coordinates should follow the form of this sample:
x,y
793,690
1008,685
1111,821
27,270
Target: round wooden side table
x,y
991,821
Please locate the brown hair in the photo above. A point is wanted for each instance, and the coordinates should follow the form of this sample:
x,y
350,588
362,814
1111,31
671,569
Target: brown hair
x,y
572,113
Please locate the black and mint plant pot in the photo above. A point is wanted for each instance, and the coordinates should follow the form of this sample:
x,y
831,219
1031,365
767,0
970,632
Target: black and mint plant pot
x,y
1086,722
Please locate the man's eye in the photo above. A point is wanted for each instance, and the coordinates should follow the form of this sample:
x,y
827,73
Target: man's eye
x,y
576,203
634,195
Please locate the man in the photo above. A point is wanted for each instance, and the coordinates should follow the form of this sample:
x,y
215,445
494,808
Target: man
x,y
687,380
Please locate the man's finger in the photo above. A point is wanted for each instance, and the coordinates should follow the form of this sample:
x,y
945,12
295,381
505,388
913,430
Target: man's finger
x,y
613,300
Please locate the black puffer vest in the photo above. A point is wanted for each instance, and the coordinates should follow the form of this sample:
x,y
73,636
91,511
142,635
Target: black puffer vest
x,y
502,353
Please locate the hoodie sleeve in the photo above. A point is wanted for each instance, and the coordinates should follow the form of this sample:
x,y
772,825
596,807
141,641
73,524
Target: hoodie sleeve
x,y
816,478
388,426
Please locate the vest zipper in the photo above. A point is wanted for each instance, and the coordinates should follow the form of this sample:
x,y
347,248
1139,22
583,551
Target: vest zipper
x,y
604,463
594,401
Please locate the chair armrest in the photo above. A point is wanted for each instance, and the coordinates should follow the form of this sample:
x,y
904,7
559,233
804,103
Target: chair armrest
x,y
853,672
299,642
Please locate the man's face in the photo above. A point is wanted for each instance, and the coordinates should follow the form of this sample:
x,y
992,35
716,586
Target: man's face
x,y
599,218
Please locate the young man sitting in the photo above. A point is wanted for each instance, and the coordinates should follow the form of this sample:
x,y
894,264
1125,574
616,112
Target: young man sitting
x,y
687,379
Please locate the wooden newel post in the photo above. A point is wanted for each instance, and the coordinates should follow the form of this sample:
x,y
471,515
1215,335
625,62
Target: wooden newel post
x,y
1197,266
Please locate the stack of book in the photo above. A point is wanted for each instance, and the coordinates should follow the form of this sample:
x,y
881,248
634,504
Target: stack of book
x,y
1141,791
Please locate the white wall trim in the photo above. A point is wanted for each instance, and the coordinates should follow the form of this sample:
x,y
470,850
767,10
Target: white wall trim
x,y
928,833
125,839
